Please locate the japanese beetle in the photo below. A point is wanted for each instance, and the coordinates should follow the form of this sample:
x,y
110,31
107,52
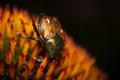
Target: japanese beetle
x,y
50,35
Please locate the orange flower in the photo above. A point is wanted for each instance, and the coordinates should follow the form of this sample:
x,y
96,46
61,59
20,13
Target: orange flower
x,y
21,58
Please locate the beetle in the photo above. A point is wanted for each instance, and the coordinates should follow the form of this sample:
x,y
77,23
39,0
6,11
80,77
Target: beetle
x,y
50,35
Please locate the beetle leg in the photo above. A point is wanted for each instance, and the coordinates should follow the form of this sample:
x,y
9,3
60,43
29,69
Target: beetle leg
x,y
28,37
40,59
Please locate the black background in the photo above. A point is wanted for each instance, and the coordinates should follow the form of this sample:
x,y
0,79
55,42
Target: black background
x,y
93,24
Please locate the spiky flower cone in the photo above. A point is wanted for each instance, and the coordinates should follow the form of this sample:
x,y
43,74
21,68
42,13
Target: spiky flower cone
x,y
19,57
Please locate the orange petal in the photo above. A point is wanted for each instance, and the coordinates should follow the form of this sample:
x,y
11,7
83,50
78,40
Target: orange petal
x,y
49,77
21,60
31,63
1,69
1,42
51,68
26,73
39,73
26,47
8,57
12,46
12,71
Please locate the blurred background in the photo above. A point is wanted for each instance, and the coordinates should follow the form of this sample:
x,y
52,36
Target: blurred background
x,y
93,24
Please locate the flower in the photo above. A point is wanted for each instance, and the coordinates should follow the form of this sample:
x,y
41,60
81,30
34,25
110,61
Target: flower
x,y
19,57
